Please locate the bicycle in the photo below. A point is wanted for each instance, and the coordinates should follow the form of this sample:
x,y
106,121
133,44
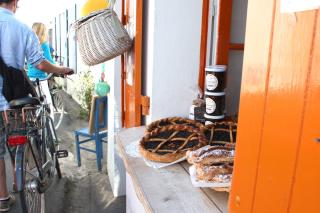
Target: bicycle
x,y
30,137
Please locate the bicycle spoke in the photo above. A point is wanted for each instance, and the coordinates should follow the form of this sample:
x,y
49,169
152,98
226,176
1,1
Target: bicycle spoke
x,y
31,174
30,195
33,202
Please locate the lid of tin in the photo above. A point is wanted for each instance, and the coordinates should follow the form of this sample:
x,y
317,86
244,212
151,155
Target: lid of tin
x,y
214,117
215,93
216,68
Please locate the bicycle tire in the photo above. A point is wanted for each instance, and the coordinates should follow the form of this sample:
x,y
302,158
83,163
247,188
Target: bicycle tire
x,y
58,105
52,147
27,176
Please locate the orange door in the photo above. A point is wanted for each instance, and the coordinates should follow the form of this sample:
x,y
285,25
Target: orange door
x,y
306,187
277,159
131,62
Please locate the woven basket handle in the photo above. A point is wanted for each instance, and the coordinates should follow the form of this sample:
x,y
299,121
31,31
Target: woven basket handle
x,y
80,21
111,3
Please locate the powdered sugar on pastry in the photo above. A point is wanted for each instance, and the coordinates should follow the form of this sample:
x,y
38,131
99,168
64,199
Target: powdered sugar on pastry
x,y
217,153
210,155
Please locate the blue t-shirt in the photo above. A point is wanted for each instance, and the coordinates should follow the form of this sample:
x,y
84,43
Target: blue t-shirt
x,y
36,73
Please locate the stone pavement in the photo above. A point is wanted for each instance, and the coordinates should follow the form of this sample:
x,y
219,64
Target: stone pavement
x,y
82,189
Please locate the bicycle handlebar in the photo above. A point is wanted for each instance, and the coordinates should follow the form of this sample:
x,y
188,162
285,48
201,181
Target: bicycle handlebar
x,y
50,75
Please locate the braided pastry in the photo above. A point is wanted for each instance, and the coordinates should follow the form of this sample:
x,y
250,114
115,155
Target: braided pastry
x,y
211,155
173,121
170,143
219,173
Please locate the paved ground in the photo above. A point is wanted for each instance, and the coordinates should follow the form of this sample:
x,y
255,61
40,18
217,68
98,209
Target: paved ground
x,y
82,189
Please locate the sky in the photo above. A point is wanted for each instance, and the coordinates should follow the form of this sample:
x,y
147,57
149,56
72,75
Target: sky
x,y
31,11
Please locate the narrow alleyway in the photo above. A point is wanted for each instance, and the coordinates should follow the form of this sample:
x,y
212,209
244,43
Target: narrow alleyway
x,y
82,189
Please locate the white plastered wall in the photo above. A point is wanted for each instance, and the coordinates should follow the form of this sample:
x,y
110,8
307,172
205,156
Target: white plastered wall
x,y
172,32
116,169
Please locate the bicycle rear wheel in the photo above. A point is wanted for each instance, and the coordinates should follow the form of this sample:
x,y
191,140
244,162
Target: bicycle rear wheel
x,y
58,105
28,179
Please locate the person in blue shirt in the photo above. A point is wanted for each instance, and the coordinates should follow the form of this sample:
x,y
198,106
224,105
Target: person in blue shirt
x,y
41,32
17,44
33,73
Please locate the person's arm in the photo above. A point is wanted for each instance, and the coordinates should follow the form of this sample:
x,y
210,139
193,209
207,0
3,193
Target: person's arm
x,y
46,66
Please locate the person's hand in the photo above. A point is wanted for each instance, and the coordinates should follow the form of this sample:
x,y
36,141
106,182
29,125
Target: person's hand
x,y
66,71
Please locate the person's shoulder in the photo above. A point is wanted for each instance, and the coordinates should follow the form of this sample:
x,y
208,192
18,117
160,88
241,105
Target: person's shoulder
x,y
20,25
25,27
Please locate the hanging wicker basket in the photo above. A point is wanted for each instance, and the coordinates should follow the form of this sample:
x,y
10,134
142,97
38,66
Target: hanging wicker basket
x,y
101,37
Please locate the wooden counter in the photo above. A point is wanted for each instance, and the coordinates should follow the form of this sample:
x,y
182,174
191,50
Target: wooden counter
x,y
168,189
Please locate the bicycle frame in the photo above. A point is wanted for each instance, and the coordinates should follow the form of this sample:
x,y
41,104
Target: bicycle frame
x,y
33,127
55,98
19,145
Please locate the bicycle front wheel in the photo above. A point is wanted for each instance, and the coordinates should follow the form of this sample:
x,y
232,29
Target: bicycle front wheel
x,y
58,105
28,179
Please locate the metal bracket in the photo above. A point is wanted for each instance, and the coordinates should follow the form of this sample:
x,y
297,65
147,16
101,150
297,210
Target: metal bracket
x,y
145,103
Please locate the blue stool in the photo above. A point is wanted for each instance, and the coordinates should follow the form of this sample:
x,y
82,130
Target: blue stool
x,y
99,114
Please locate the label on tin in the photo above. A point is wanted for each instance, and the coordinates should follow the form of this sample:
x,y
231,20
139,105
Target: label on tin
x,y
210,105
211,81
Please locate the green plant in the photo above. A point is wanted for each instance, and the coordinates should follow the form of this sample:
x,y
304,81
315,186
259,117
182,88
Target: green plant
x,y
85,91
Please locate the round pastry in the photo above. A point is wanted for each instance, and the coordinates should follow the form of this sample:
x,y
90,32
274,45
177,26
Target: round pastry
x,y
220,133
173,121
170,143
210,155
220,173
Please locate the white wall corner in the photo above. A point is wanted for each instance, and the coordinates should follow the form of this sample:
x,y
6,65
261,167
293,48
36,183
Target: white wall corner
x,y
116,169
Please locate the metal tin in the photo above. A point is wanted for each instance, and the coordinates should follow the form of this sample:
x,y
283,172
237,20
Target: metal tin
x,y
215,78
211,119
215,103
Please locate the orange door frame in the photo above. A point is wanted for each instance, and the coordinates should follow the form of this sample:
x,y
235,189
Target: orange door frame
x,y
131,93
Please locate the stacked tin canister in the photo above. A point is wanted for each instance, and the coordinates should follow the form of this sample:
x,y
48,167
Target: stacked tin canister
x,y
214,93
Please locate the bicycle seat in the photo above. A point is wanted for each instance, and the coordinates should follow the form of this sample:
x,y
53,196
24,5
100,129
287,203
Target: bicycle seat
x,y
21,102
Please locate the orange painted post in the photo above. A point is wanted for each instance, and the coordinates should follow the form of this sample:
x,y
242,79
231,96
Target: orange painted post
x,y
223,34
132,66
234,46
203,44
224,29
